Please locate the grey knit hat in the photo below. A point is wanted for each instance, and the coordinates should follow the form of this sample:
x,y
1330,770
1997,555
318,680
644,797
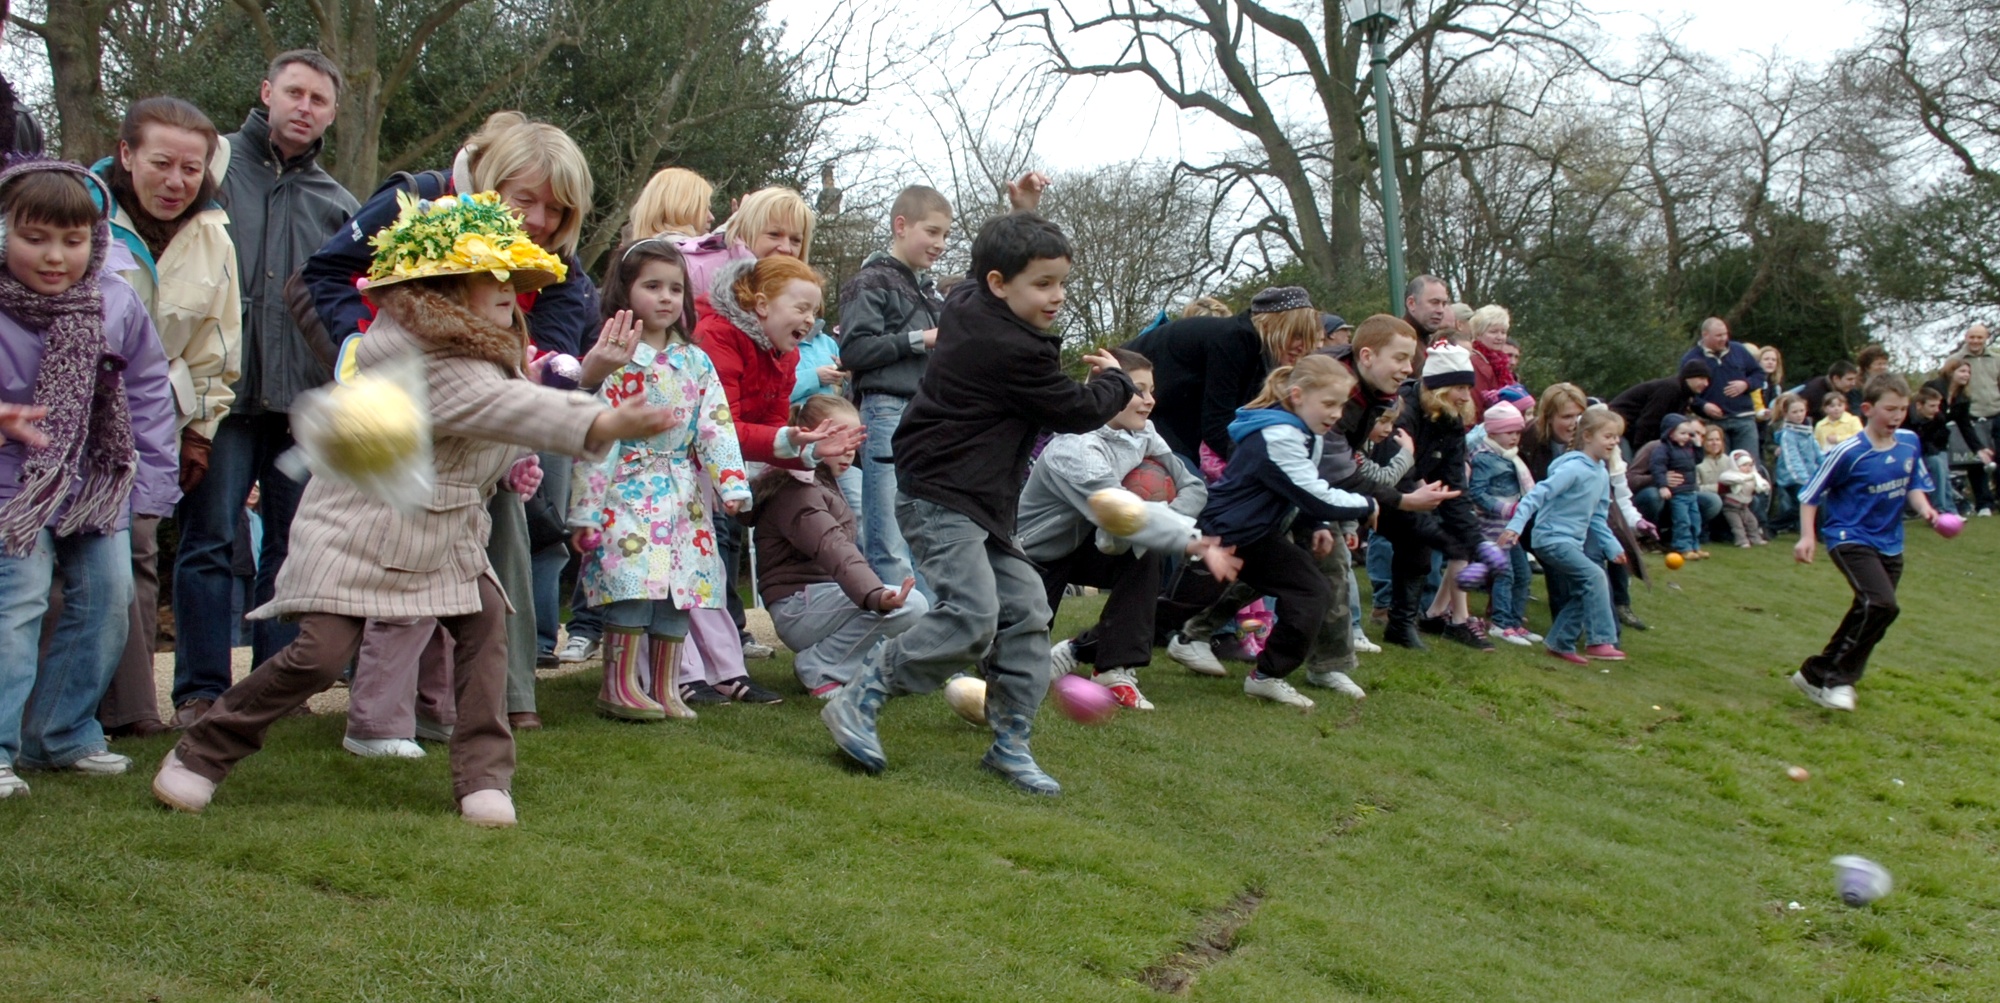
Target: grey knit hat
x,y
1278,299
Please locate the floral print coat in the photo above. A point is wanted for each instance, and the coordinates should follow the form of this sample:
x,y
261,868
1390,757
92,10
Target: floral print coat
x,y
646,496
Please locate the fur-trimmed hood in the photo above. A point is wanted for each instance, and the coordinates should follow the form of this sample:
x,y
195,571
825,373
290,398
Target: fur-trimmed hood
x,y
447,328
722,300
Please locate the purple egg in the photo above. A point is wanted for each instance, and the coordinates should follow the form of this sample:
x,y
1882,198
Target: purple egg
x,y
1948,525
1083,701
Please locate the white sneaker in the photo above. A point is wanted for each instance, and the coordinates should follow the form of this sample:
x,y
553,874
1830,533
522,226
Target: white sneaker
x,y
758,649
576,649
1339,682
489,809
1276,690
10,784
1830,697
1986,513
1062,659
1513,635
1198,656
103,764
373,748
1364,646
1124,687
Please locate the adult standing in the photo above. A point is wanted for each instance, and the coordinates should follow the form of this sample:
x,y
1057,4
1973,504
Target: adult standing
x,y
1207,367
183,266
19,132
1733,375
541,175
281,206
1427,308
1983,392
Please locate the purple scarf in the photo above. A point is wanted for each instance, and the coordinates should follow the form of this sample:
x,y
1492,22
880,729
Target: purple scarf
x,y
89,425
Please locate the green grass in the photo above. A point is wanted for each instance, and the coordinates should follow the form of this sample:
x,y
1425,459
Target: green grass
x,y
1494,827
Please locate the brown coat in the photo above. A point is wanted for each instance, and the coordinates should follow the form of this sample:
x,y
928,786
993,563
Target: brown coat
x,y
354,555
805,535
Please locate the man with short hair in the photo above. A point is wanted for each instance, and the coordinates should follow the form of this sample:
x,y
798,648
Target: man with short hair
x,y
1983,398
282,207
1427,307
1733,374
1843,377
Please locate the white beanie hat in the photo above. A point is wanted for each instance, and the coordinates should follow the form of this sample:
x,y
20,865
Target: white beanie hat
x,y
1447,366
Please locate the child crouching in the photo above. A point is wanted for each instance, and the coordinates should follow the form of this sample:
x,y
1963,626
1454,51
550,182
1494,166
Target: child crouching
x,y
825,601
1571,508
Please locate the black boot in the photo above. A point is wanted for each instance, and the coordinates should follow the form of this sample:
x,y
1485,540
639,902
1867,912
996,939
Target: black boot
x,y
1404,596
1629,618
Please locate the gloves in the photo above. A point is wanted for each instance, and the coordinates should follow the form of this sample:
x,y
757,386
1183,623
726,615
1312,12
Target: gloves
x,y
195,449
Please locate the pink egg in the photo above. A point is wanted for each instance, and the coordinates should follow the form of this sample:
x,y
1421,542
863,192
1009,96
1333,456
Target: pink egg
x,y
1948,525
1083,701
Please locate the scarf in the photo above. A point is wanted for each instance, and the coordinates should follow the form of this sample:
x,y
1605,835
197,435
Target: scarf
x,y
1502,363
1521,471
89,425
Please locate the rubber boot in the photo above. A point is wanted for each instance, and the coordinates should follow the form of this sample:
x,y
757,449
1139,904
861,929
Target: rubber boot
x,y
850,714
1404,596
665,655
624,694
1009,755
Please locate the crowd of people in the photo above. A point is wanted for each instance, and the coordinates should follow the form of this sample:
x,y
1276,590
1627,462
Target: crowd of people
x,y
921,482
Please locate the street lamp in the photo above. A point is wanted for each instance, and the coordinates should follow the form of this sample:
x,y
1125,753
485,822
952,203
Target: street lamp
x,y
1372,17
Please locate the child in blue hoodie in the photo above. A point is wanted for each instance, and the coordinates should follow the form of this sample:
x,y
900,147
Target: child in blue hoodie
x,y
1571,507
1273,477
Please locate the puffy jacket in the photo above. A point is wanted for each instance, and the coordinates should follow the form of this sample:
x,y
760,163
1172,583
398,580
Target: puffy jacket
x,y
884,310
756,376
561,318
1273,471
805,535
1204,368
192,294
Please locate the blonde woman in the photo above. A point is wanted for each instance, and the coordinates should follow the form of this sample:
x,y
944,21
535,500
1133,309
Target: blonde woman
x,y
674,201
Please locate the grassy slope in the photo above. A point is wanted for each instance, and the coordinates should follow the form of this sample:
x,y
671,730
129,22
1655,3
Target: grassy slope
x,y
1490,827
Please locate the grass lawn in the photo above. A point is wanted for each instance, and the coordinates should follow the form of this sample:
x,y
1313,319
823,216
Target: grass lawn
x,y
1482,827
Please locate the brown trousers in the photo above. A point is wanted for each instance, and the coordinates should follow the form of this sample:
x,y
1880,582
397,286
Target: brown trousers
x,y
133,697
402,673
482,746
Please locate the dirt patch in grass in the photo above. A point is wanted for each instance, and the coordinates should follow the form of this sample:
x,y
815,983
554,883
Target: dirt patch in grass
x,y
1214,939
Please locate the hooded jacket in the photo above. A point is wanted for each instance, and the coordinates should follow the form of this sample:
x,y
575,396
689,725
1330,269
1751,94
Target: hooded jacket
x,y
756,376
1571,505
884,311
280,211
1671,456
804,534
1646,405
993,384
1273,472
1055,517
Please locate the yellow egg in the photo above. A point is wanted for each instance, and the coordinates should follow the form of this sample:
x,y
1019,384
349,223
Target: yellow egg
x,y
373,425
1119,511
966,696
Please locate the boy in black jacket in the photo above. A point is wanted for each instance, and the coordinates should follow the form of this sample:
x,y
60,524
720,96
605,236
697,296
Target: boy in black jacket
x,y
994,381
1680,453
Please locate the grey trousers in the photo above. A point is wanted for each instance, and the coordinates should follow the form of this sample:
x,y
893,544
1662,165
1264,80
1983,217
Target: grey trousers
x,y
990,610
831,635
1333,648
403,671
507,548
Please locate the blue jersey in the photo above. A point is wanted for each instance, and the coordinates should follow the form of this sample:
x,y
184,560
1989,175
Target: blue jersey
x,y
1861,491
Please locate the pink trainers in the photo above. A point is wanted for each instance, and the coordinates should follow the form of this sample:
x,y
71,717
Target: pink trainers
x,y
180,788
1605,652
1570,656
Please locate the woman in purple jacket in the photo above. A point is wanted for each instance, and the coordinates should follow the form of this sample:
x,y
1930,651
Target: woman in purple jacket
x,y
87,412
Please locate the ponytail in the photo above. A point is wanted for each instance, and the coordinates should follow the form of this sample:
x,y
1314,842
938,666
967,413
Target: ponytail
x,y
1314,372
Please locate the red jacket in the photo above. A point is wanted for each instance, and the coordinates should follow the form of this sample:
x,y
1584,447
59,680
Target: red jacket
x,y
755,376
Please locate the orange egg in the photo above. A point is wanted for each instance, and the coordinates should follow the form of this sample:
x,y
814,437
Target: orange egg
x,y
1674,562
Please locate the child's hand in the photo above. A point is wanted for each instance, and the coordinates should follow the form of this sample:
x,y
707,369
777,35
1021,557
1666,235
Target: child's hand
x,y
1666,493
633,419
525,478
1404,442
833,439
1618,558
829,375
1802,551
1322,542
930,337
1025,193
1353,541
1100,361
1221,562
893,600
17,424
613,349
585,539
1427,496
1507,539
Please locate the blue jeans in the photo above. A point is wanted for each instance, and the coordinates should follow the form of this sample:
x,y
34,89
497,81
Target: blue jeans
x,y
1510,589
246,450
1685,507
1586,613
48,715
882,539
1942,498
1741,433
658,617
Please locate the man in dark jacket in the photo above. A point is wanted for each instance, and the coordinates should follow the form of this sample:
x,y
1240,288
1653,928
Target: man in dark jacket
x,y
1841,377
1733,373
282,206
1645,405
1427,308
19,132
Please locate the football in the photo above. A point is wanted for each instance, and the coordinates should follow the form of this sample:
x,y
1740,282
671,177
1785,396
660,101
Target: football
x,y
1151,481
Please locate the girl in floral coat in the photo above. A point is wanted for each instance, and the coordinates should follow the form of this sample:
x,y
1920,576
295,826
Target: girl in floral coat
x,y
645,531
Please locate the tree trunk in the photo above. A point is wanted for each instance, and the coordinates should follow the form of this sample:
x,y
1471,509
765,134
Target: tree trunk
x,y
74,35
349,37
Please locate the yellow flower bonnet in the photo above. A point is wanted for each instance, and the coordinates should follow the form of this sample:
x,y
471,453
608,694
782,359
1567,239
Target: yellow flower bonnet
x,y
459,235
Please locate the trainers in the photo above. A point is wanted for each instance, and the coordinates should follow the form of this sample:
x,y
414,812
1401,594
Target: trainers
x,y
758,649
190,712
1605,652
431,731
851,712
742,690
379,748
1516,635
11,784
1339,682
1818,695
1198,656
180,788
103,764
1569,656
1274,689
1628,618
1985,513
700,692
543,659
1062,659
1362,645
1840,697
489,809
577,649
1124,687
1468,634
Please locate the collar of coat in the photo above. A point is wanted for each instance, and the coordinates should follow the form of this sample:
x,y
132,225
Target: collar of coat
x,y
722,300
446,328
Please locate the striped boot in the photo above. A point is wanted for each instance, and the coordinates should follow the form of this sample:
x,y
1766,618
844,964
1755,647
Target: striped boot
x,y
665,655
624,694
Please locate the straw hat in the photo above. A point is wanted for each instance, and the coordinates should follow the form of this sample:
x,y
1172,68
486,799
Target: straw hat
x,y
459,235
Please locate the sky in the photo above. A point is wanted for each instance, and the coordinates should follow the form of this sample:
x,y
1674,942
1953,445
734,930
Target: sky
x,y
1114,119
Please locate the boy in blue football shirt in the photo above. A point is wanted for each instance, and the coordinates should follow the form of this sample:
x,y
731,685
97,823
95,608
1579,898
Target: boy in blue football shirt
x,y
1856,501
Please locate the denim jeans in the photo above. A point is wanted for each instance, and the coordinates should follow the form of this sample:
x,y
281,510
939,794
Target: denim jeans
x,y
1587,612
1741,433
1510,589
48,715
245,452
547,564
882,539
1686,509
1942,498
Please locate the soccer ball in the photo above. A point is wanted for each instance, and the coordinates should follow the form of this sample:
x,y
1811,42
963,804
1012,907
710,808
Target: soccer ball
x,y
1151,481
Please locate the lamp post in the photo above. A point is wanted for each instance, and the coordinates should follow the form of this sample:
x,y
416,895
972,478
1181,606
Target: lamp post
x,y
1374,21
